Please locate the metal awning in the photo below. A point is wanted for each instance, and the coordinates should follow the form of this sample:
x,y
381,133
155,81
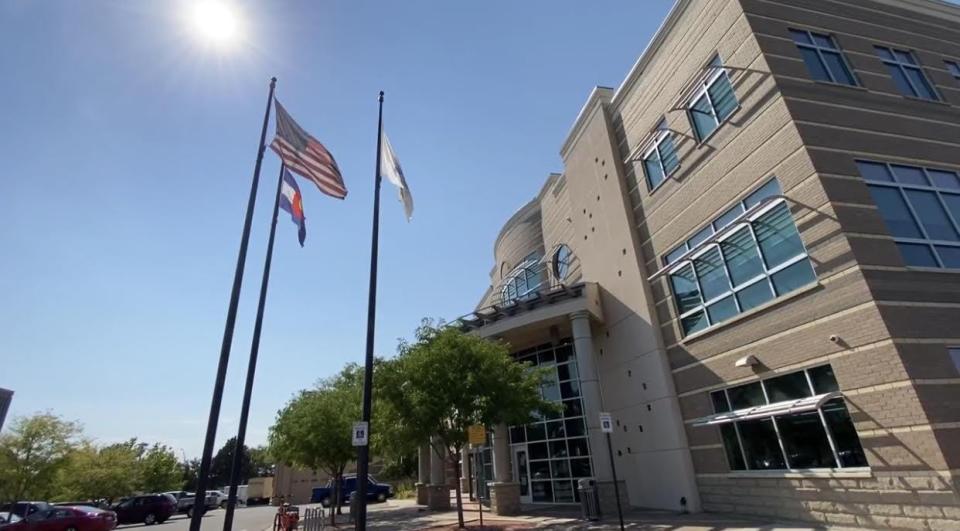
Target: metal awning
x,y
786,407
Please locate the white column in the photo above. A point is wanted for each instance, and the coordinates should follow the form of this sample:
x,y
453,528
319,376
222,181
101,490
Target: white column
x,y
438,463
423,465
502,473
590,392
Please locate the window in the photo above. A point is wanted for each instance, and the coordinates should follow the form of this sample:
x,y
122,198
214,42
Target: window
x,y
822,57
906,73
523,282
954,68
562,259
769,189
955,356
760,260
557,446
802,438
660,160
921,208
713,101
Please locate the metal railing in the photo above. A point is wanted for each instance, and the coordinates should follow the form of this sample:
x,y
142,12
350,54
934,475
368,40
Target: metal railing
x,y
314,519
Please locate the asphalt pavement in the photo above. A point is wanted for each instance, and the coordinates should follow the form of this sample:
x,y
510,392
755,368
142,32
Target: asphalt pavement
x,y
255,518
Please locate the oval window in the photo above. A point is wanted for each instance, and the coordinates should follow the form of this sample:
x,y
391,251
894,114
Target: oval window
x,y
561,261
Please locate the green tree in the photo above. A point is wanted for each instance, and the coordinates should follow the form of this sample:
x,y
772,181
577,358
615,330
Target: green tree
x,y
31,454
189,470
449,380
313,430
107,472
223,461
159,470
261,462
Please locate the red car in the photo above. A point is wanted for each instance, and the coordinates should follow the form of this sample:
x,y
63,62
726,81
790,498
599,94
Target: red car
x,y
66,519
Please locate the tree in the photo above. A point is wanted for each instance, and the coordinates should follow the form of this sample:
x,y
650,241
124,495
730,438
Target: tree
x,y
93,473
449,380
313,430
159,470
261,462
223,462
32,453
189,470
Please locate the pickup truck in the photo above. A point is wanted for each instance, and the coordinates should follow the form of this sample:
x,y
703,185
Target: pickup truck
x,y
185,501
376,491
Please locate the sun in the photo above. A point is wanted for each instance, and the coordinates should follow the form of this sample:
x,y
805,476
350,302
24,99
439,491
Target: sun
x,y
215,21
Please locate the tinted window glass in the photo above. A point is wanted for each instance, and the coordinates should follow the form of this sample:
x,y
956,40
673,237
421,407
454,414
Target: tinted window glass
x,y
844,435
721,92
873,171
685,289
732,446
651,166
950,256
720,404
694,322
754,295
944,179
894,210
722,310
761,445
742,257
909,175
792,277
748,395
702,115
769,189
668,154
917,255
805,441
713,277
823,379
932,215
777,236
817,69
838,68
787,387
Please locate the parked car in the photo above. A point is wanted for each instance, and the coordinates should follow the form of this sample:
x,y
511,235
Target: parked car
x,y
219,497
184,501
241,495
24,508
376,491
149,509
65,519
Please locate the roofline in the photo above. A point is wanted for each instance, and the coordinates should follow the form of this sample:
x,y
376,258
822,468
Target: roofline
x,y
597,96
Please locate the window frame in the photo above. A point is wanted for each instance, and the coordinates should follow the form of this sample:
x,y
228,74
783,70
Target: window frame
x,y
662,134
819,51
716,70
938,192
531,266
766,273
903,67
811,389
566,262
953,68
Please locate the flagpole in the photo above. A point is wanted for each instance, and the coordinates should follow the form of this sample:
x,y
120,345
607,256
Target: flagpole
x,y
199,497
252,365
363,454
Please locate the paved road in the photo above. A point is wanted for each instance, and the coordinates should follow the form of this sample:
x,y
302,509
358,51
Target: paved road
x,y
244,519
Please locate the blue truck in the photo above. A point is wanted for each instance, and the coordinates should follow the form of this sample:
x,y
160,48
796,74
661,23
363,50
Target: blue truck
x,y
376,491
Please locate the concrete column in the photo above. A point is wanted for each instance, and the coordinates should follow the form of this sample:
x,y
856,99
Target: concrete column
x,y
423,473
438,493
502,472
590,392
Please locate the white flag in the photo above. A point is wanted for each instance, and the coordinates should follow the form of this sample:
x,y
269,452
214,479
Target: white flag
x,y
390,168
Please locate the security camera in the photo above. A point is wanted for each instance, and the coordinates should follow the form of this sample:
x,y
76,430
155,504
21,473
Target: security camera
x,y
834,338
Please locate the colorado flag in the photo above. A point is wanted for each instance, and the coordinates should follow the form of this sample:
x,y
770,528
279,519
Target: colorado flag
x,y
290,200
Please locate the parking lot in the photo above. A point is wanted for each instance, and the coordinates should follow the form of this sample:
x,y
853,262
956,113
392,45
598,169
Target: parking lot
x,y
244,519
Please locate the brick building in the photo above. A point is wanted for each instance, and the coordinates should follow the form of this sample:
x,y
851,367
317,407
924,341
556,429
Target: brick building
x,y
751,260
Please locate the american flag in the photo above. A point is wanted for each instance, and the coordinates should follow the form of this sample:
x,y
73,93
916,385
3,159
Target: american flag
x,y
306,156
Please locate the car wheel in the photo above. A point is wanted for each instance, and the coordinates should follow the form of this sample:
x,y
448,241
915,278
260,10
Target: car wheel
x,y
190,512
325,502
71,528
150,519
381,497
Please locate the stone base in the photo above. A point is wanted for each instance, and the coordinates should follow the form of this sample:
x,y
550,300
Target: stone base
x,y
421,493
608,499
438,497
504,498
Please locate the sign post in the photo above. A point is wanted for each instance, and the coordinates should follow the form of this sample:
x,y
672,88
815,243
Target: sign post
x,y
360,433
477,437
606,426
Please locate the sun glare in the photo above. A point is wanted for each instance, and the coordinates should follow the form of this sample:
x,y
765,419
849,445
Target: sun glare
x,y
215,21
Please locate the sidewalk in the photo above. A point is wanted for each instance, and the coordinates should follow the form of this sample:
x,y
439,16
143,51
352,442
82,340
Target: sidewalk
x,y
403,515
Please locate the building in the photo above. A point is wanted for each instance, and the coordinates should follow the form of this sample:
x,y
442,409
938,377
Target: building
x,y
6,396
752,260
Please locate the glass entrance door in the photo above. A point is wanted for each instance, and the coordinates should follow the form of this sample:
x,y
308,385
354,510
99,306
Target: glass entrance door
x,y
521,473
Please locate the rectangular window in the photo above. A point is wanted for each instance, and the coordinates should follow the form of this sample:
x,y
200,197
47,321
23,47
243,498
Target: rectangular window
x,y
906,73
954,68
821,437
713,101
823,57
955,356
660,160
746,267
921,209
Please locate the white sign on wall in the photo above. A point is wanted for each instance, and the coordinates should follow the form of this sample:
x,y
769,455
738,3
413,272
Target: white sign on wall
x,y
606,423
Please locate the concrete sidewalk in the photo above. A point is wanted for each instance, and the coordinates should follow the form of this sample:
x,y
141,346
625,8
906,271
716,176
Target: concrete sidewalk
x,y
403,515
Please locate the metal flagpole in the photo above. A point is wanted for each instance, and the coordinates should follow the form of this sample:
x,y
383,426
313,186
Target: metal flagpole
x,y
252,365
363,454
199,497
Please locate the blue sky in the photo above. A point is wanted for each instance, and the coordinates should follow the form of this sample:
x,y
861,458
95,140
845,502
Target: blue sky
x,y
128,148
